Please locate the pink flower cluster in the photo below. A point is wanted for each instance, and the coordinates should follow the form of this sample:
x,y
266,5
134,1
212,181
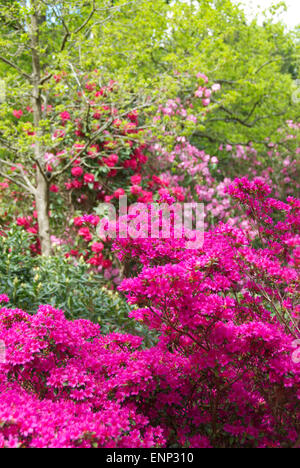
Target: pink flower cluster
x,y
4,298
230,313
222,373
65,385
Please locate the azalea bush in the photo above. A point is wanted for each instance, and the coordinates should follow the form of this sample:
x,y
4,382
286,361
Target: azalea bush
x,y
224,373
58,384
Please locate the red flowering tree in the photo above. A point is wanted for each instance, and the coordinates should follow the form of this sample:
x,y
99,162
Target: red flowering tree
x,y
57,110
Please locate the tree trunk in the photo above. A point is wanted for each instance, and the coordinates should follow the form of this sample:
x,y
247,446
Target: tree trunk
x,y
42,186
42,208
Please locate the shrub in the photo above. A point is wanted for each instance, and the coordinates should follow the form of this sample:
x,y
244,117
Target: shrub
x,y
224,373
30,281
60,384
230,313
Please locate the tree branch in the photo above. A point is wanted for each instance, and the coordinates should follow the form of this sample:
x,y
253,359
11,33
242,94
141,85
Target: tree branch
x,y
23,175
244,122
13,65
17,182
87,20
45,78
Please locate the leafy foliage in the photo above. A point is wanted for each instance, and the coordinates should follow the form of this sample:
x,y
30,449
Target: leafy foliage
x,y
30,281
